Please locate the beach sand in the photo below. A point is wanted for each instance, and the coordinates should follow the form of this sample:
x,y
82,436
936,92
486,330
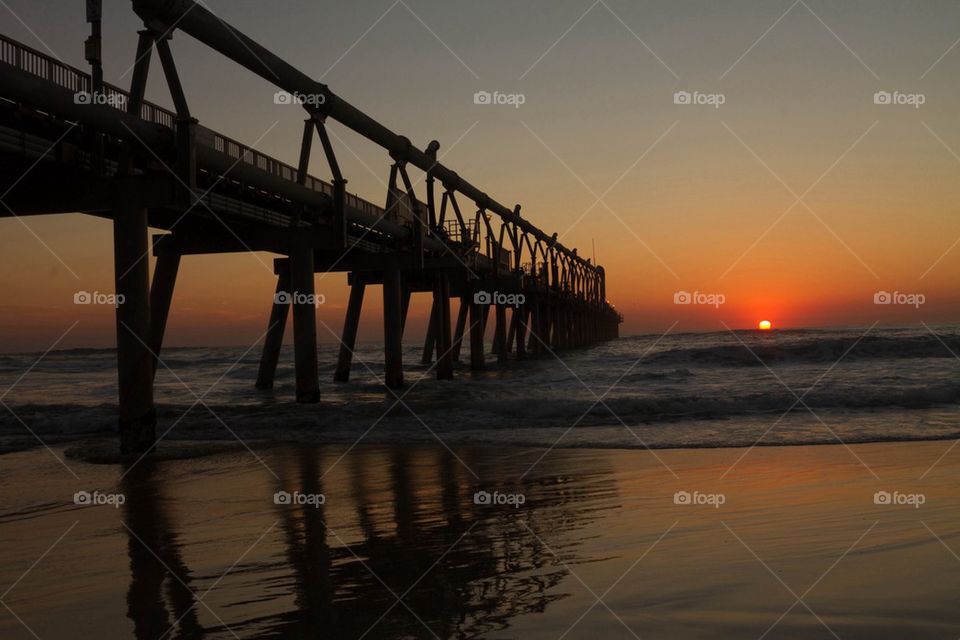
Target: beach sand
x,y
399,549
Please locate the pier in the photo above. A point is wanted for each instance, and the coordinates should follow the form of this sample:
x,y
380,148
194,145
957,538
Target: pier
x,y
72,143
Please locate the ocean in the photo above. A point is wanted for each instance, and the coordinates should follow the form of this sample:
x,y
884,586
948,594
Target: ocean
x,y
720,389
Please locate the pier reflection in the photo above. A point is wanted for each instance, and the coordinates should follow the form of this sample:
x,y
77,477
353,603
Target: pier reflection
x,y
399,549
160,582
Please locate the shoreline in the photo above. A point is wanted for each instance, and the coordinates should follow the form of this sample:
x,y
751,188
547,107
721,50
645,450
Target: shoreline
x,y
81,446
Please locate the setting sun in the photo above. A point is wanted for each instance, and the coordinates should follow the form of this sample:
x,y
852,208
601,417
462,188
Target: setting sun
x,y
764,325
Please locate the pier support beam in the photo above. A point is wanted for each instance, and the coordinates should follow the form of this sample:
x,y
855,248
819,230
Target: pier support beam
x,y
441,303
461,326
161,295
534,344
559,327
393,327
304,324
512,328
545,327
276,326
350,323
520,317
404,308
500,334
135,362
431,338
477,313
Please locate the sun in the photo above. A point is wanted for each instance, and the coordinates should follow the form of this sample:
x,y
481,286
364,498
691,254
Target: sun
x,y
764,325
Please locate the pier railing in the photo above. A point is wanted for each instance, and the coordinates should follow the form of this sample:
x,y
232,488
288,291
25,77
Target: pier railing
x,y
81,84
482,237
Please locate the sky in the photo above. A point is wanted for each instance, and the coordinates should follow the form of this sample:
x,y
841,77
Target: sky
x,y
783,192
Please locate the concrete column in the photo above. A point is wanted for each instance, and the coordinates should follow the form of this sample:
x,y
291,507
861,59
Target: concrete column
x,y
477,312
535,324
546,325
461,326
500,334
521,316
276,326
304,324
393,326
135,362
556,326
512,330
161,295
431,338
442,308
404,308
351,321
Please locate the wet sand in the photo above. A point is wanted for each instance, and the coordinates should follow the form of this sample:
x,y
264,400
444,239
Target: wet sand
x,y
598,549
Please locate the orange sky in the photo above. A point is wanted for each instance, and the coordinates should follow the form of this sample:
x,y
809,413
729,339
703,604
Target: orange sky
x,y
693,198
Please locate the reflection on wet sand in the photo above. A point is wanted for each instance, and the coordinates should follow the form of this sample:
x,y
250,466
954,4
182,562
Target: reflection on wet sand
x,y
154,554
399,549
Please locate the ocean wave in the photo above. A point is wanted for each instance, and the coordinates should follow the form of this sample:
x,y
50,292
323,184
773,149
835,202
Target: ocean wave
x,y
201,433
494,412
652,383
644,376
826,349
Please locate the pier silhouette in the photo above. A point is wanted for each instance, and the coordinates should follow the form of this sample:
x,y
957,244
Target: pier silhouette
x,y
70,142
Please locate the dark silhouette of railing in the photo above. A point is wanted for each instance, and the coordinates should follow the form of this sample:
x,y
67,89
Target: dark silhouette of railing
x,y
40,64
